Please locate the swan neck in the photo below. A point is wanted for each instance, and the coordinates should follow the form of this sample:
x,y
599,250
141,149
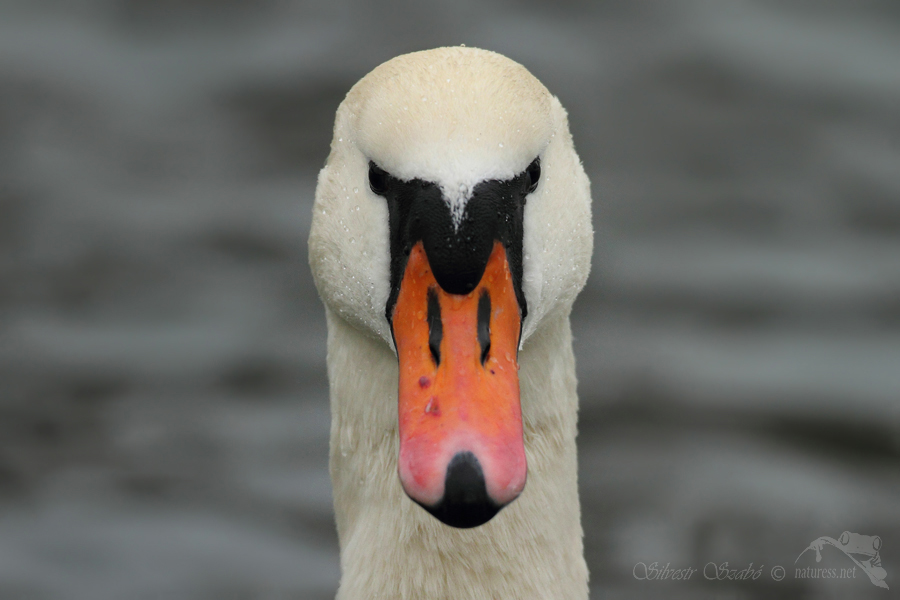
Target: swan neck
x,y
391,547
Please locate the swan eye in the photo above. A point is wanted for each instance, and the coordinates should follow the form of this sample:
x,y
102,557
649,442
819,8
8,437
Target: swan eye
x,y
534,174
378,179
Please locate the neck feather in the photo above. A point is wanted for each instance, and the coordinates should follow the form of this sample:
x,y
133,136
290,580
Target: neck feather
x,y
391,548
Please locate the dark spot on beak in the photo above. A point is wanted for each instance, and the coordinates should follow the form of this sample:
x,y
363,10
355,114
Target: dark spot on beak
x,y
435,326
484,324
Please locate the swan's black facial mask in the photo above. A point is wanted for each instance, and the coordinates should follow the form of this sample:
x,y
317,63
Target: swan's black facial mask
x,y
458,256
456,308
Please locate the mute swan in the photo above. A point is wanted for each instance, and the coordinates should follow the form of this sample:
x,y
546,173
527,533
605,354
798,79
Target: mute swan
x,y
451,233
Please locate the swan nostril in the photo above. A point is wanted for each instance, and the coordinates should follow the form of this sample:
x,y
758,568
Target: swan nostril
x,y
484,324
435,326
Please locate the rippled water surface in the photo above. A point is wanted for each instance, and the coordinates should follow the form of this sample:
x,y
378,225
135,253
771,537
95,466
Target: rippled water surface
x,y
163,409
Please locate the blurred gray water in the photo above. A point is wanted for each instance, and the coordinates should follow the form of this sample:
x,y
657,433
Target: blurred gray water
x,y
164,416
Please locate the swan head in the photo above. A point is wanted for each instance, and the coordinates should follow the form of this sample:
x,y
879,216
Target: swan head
x,y
451,220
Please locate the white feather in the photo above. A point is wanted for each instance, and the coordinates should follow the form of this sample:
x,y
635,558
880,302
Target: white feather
x,y
456,117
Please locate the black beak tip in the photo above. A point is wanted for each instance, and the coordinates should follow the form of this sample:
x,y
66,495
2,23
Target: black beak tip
x,y
466,503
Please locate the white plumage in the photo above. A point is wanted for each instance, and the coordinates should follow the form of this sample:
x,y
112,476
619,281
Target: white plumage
x,y
455,117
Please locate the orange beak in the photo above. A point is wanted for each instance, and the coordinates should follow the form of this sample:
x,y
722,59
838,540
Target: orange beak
x,y
462,455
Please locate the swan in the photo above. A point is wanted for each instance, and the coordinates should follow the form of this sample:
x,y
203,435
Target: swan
x,y
451,233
